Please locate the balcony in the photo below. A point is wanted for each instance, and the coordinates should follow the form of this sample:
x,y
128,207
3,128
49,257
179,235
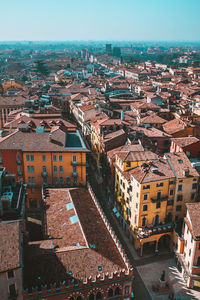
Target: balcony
x,y
147,231
159,199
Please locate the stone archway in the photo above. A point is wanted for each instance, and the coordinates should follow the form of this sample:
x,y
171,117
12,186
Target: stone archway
x,y
164,241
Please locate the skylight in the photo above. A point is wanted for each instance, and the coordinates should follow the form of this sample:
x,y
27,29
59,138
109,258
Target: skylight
x,y
74,219
69,206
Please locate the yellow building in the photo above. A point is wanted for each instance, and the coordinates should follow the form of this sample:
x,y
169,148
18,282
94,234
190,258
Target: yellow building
x,y
57,158
153,196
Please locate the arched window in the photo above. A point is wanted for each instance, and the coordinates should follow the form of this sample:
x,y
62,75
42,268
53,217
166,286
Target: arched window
x,y
91,297
156,220
99,296
117,291
110,293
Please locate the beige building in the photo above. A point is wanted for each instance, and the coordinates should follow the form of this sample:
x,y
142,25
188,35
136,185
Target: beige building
x,y
188,247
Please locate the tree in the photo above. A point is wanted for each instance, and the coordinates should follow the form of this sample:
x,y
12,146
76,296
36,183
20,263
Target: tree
x,y
41,68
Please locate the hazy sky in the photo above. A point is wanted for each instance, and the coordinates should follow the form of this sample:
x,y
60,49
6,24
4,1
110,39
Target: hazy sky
x,y
100,20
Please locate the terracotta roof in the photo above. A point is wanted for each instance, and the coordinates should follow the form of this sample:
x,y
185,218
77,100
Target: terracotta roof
x,y
80,246
185,141
174,126
9,246
86,107
132,156
37,121
152,119
194,211
150,132
147,174
36,142
179,163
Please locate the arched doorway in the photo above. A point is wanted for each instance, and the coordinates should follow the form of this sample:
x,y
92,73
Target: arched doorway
x,y
91,297
164,242
110,293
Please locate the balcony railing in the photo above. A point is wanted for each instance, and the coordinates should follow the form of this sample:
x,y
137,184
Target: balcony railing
x,y
74,163
159,199
144,232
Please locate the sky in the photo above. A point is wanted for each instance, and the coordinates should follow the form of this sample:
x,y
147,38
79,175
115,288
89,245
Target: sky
x,y
134,20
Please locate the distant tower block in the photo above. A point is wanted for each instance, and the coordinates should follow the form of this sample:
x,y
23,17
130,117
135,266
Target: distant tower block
x,y
109,49
117,51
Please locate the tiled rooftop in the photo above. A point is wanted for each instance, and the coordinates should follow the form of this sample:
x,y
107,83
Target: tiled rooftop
x,y
80,246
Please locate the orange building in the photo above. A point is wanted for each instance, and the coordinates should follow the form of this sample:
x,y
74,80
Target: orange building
x,y
55,158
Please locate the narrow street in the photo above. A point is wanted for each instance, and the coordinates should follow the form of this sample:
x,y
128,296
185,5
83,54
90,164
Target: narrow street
x,y
139,289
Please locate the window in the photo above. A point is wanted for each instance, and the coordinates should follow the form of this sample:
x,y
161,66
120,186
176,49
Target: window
x,y
61,169
61,180
199,246
74,171
145,197
0,159
180,187
68,180
194,186
170,202
178,208
137,195
33,180
171,182
43,157
136,221
146,187
159,184
10,274
18,158
27,157
55,169
32,157
74,161
75,180
192,196
60,158
198,261
179,198
189,252
145,207
136,205
30,169
158,204
44,169
128,164
171,192
54,158
19,169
